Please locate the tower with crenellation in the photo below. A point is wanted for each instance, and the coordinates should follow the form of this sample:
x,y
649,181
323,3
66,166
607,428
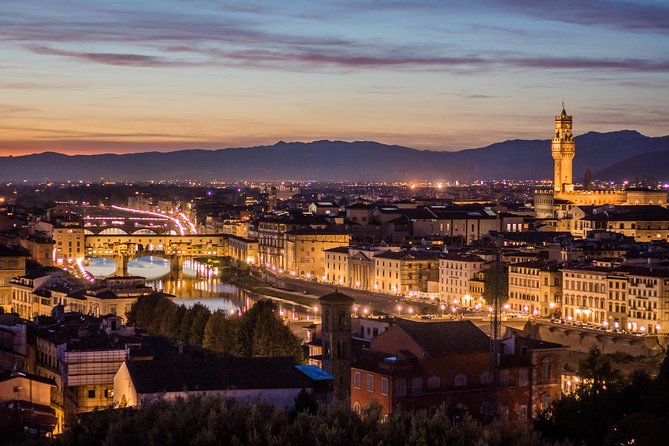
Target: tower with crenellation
x,y
558,202
563,150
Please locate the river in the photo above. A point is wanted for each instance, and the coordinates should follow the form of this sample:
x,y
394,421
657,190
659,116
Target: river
x,y
188,285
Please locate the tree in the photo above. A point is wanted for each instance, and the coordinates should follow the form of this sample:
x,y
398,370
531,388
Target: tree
x,y
496,279
598,372
200,316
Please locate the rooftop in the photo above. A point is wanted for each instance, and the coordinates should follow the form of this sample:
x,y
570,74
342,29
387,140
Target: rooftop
x,y
438,338
180,372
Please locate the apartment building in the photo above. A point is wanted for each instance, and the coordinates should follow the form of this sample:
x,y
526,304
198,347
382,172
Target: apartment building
x,y
456,271
535,287
404,272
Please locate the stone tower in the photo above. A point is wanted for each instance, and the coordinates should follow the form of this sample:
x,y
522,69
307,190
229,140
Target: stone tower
x,y
562,149
336,339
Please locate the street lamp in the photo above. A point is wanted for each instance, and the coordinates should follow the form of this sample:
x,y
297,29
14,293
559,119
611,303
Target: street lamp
x,y
399,310
442,307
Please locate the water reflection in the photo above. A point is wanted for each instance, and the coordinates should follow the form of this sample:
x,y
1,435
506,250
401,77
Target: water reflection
x,y
189,287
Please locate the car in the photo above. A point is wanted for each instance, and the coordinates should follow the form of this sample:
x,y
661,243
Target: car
x,y
427,316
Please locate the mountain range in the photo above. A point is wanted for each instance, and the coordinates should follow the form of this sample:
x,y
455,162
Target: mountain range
x,y
625,154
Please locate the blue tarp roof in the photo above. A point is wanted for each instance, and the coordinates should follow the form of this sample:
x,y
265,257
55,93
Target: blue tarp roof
x,y
314,372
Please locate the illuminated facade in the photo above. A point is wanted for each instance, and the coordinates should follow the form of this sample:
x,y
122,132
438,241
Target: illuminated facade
x,y
555,203
12,264
70,243
405,272
535,287
305,250
455,273
562,150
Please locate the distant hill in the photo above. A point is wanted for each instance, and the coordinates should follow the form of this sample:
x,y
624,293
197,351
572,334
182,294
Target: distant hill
x,y
650,165
609,155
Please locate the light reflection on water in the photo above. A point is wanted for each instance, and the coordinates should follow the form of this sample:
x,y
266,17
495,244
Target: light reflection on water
x,y
188,287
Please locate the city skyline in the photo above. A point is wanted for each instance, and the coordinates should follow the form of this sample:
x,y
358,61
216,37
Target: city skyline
x,y
175,75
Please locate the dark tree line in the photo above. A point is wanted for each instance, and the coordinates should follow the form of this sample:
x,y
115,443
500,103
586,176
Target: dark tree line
x,y
258,332
610,410
213,421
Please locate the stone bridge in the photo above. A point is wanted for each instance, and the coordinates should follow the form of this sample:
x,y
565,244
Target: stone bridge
x,y
582,339
176,248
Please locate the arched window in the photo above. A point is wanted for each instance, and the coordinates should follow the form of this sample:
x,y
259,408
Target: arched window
x,y
546,401
433,382
460,380
486,378
486,408
356,408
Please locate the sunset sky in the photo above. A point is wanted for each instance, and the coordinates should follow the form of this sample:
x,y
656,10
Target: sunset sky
x,y
128,76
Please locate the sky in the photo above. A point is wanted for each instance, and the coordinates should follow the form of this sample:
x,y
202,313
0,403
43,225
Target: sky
x,y
130,76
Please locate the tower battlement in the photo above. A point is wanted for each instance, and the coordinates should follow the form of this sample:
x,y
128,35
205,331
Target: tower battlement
x,y
563,149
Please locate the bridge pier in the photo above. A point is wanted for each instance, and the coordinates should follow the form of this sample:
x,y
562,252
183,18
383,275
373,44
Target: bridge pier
x,y
176,262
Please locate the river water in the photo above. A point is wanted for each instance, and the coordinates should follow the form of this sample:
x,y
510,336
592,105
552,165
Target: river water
x,y
188,285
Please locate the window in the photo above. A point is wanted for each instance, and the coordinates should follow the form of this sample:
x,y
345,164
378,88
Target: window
x,y
91,393
546,369
356,380
401,387
370,382
433,382
416,384
384,386
504,378
522,413
523,377
460,380
486,408
356,407
109,393
546,401
486,378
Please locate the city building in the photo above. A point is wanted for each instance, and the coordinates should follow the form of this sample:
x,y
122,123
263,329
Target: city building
x,y
29,396
585,294
420,365
12,264
26,301
405,272
243,251
304,253
535,287
456,271
336,341
564,196
644,223
274,380
69,243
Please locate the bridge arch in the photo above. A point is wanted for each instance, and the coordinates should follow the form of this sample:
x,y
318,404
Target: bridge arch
x,y
144,232
112,231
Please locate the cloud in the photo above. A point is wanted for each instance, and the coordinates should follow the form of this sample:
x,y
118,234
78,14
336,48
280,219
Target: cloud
x,y
300,60
134,60
641,65
627,15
